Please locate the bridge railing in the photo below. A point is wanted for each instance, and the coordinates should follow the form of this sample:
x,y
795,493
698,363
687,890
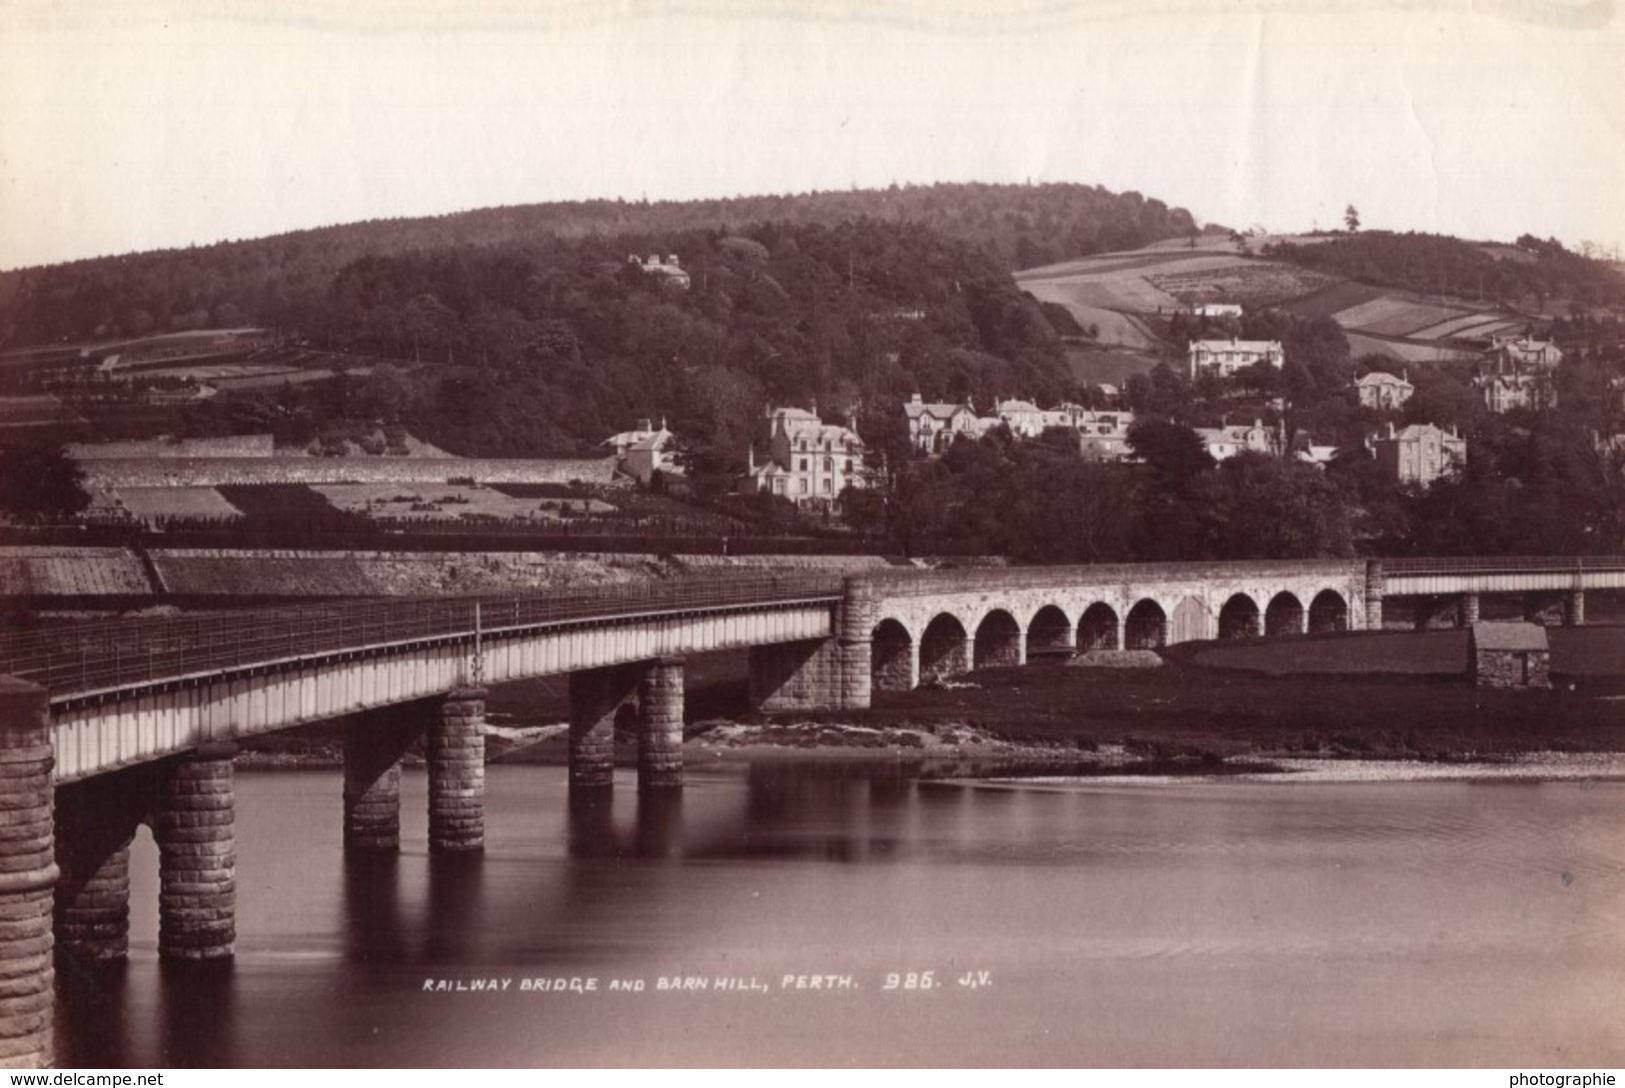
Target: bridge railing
x,y
1503,564
98,656
902,583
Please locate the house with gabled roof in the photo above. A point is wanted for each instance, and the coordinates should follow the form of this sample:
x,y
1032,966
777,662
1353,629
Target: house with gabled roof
x,y
807,461
933,426
1383,391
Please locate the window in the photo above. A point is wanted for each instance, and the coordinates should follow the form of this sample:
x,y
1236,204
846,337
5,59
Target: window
x,y
829,464
803,488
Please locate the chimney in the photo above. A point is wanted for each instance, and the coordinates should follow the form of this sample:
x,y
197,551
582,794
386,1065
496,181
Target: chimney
x,y
1390,428
915,399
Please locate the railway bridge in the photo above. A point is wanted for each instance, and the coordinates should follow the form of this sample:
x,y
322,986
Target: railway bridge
x,y
105,727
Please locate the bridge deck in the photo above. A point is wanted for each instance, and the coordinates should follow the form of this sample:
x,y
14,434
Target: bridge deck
x,y
90,657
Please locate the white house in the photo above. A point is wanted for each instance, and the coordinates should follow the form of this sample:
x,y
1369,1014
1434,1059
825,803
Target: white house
x,y
1225,357
808,461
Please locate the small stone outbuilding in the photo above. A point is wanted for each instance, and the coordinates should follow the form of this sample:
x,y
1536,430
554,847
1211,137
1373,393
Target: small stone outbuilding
x,y
1510,655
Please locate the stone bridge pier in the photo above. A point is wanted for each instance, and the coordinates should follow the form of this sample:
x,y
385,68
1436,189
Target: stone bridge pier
x,y
374,743
645,696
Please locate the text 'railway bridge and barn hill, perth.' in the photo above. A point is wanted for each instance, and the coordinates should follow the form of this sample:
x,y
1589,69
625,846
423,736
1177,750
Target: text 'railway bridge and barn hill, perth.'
x,y
106,726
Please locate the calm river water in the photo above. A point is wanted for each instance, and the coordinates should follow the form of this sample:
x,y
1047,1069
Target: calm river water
x,y
1098,924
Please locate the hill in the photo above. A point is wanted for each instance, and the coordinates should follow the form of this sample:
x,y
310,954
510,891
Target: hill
x,y
274,281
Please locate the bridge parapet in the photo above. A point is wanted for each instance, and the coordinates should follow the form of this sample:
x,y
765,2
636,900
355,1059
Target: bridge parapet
x,y
904,583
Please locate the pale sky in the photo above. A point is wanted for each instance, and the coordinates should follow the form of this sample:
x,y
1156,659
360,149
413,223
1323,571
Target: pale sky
x,y
133,124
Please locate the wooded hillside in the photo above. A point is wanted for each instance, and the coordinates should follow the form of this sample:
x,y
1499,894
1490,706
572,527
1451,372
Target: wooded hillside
x,y
278,281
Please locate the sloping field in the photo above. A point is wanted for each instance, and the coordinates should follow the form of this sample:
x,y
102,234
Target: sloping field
x,y
841,564
446,502
1145,283
38,411
1251,283
1114,328
1500,326
1101,263
1130,291
1331,299
197,572
148,503
215,472
67,572
1417,316
280,378
1457,326
1378,309
1409,351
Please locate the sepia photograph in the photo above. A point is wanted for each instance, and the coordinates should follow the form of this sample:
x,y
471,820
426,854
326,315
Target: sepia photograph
x,y
804,534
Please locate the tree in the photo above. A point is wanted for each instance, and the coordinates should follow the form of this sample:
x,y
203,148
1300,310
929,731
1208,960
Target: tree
x,y
38,484
1351,219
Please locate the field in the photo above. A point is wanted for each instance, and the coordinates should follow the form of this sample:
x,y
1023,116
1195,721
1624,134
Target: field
x,y
38,411
449,502
1390,316
148,503
1332,299
1408,351
1117,292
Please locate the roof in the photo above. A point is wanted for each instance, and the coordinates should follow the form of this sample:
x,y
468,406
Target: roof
x,y
915,409
1509,635
1017,406
1382,377
656,441
1236,345
1415,432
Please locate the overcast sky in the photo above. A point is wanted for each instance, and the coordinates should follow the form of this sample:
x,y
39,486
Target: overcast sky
x,y
133,125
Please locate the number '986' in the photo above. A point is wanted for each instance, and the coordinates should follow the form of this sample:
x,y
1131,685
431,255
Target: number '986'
x,y
909,980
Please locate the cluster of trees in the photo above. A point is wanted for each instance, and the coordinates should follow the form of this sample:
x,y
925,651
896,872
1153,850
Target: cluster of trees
x,y
1039,501
1435,264
282,281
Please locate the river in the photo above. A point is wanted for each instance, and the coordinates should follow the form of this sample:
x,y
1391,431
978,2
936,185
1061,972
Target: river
x,y
1096,923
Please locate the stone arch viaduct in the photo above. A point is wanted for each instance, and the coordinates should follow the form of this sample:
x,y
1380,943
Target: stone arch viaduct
x,y
106,727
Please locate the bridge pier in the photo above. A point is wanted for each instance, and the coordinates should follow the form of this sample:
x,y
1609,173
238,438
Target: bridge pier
x,y
197,856
373,747
596,697
28,875
1467,610
1574,608
660,725
95,824
1375,586
456,756
854,632
796,675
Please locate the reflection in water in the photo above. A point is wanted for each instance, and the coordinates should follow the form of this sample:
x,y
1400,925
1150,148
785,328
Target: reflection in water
x,y
92,999
374,927
592,827
660,824
1201,923
198,1014
453,928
